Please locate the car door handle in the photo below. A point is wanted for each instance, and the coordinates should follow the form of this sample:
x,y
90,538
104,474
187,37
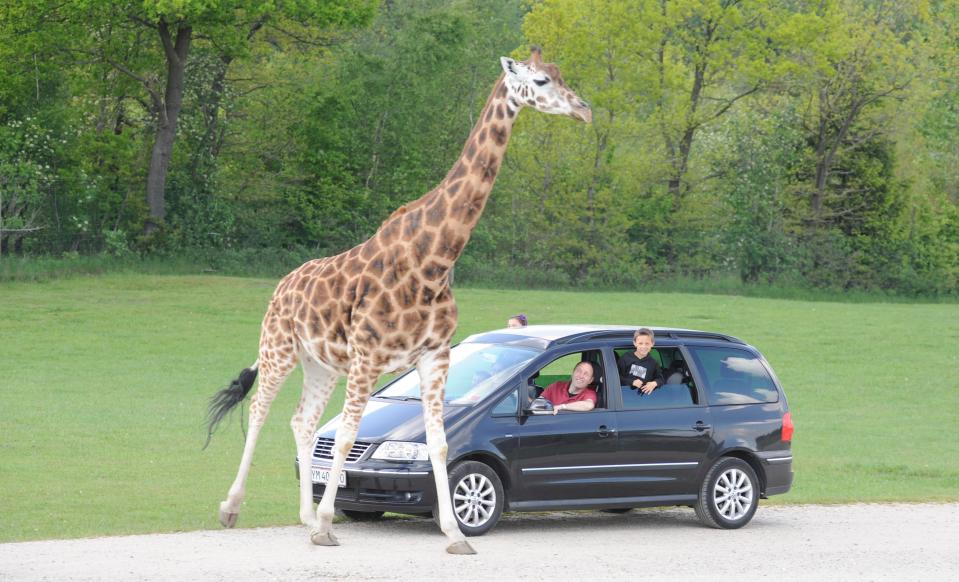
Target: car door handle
x,y
701,426
605,431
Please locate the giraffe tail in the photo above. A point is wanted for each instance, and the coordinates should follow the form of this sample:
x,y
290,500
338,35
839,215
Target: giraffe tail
x,y
223,401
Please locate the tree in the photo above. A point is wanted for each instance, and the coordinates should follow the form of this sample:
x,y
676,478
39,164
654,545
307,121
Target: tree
x,y
25,156
862,59
393,114
683,63
149,41
767,151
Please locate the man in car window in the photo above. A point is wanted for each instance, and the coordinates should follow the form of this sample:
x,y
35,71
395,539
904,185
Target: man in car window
x,y
575,394
639,369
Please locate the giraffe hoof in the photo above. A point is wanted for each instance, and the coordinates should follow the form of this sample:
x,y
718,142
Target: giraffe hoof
x,y
461,548
228,519
323,538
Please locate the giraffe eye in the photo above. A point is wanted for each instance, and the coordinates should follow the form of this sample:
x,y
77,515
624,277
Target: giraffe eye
x,y
542,81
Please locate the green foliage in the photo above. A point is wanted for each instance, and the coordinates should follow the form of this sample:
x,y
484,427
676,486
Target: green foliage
x,y
767,152
391,117
25,156
122,56
808,145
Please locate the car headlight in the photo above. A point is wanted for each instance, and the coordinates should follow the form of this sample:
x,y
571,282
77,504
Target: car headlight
x,y
401,451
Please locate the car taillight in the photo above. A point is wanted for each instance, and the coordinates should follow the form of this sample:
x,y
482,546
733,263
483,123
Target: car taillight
x,y
788,427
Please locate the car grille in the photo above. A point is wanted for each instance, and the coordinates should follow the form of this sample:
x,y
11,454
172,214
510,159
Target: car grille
x,y
324,450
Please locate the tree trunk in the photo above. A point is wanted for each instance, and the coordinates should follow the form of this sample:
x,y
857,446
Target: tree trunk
x,y
826,151
686,143
176,55
680,166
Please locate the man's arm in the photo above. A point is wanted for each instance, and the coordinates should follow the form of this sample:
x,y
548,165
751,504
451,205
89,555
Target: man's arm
x,y
584,405
578,406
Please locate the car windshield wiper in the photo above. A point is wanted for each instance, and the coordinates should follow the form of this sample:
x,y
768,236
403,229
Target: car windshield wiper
x,y
402,398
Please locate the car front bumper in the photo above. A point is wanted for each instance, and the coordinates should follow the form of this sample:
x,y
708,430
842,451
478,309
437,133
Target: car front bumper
x,y
383,486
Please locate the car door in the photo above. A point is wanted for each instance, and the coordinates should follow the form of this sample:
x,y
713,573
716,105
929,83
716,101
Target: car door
x,y
663,437
567,456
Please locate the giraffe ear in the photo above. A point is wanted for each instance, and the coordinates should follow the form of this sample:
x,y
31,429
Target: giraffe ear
x,y
509,65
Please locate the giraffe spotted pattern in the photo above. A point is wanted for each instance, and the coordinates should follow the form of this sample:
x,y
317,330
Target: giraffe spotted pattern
x,y
386,305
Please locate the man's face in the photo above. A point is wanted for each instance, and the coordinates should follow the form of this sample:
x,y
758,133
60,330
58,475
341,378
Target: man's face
x,y
582,376
643,344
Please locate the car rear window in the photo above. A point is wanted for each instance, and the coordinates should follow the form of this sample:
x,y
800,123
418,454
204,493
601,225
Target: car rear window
x,y
734,376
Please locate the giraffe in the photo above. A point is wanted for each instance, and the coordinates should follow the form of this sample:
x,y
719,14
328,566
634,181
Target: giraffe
x,y
385,305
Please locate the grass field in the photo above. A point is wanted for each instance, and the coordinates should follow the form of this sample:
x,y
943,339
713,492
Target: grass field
x,y
105,382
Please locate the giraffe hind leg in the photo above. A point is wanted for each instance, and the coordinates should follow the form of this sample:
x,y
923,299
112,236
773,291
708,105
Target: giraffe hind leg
x,y
273,371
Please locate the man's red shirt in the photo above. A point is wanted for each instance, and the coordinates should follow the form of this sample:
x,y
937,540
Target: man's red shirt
x,y
558,393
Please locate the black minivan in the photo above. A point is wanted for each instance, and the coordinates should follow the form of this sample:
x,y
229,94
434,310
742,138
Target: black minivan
x,y
716,436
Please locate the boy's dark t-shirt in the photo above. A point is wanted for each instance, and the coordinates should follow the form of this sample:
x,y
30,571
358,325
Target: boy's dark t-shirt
x,y
632,368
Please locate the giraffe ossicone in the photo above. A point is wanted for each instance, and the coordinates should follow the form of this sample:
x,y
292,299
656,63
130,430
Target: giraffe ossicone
x,y
385,305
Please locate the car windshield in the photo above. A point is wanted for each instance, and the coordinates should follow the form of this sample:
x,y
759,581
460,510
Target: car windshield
x,y
475,371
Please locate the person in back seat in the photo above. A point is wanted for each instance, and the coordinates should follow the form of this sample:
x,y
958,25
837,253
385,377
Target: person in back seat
x,y
517,321
638,369
575,395
677,371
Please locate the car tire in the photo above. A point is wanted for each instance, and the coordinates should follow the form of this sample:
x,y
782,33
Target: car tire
x,y
363,515
728,495
478,498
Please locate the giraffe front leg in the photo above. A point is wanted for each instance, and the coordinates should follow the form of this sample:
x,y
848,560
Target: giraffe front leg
x,y
321,534
436,442
359,386
433,369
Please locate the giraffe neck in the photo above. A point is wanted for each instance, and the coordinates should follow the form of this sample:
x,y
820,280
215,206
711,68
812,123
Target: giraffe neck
x,y
436,227
469,182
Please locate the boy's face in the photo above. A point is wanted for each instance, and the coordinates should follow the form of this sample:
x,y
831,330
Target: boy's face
x,y
643,344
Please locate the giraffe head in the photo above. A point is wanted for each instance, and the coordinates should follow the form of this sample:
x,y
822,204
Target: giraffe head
x,y
540,86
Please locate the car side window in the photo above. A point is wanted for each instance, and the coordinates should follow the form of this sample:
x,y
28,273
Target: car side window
x,y
677,390
506,406
561,369
734,376
558,370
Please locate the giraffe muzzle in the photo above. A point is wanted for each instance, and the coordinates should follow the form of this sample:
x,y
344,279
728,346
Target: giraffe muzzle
x,y
583,114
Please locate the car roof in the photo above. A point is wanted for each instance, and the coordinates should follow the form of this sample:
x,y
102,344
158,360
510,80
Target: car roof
x,y
545,336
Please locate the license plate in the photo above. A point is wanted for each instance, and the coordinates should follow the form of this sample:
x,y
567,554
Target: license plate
x,y
322,476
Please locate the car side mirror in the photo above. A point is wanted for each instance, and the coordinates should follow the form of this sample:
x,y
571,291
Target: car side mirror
x,y
534,392
539,406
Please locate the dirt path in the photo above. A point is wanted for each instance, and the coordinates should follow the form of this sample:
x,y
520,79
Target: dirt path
x,y
850,542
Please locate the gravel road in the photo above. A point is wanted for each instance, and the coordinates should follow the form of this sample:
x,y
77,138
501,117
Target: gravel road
x,y
843,542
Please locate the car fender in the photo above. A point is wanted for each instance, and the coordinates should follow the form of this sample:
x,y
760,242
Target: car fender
x,y
741,450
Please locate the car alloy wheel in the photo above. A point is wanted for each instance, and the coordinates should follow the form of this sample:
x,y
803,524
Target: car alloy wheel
x,y
474,500
477,494
733,494
729,494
